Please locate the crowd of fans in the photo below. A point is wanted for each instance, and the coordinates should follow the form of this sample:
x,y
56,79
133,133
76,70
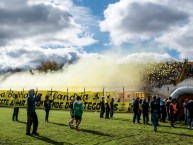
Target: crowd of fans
x,y
164,73
166,110
190,70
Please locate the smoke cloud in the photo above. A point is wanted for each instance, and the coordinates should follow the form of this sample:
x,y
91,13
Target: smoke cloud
x,y
167,90
90,72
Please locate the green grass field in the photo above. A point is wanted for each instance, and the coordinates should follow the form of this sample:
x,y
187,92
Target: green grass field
x,y
93,131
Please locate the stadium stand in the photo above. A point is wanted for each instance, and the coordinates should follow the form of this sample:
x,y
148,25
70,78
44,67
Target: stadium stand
x,y
166,73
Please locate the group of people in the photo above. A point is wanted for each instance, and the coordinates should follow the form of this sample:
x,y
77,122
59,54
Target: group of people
x,y
188,112
107,107
161,110
76,112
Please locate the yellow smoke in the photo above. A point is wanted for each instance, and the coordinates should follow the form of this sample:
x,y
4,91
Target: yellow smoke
x,y
89,73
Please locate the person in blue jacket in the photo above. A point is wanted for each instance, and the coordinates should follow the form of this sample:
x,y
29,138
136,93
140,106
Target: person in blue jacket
x,y
31,113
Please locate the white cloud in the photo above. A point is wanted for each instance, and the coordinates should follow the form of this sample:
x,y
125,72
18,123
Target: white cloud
x,y
48,22
30,28
25,58
181,40
144,58
167,22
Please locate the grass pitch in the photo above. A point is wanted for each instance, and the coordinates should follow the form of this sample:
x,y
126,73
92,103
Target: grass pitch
x,y
93,130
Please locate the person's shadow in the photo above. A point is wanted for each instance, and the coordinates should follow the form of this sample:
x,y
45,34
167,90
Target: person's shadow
x,y
48,140
61,124
180,134
95,132
21,122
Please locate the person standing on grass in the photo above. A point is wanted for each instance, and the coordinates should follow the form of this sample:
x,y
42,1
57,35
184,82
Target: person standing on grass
x,y
47,106
71,114
112,107
154,109
31,113
108,106
189,107
168,102
145,109
140,108
185,111
102,105
159,112
136,110
78,108
15,108
163,110
173,112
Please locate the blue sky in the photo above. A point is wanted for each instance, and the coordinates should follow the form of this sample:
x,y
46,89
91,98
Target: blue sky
x,y
40,30
97,6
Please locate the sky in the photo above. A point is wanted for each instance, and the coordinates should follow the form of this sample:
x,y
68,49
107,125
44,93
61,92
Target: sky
x,y
127,31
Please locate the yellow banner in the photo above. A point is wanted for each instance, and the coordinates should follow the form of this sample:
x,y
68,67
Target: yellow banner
x,y
62,100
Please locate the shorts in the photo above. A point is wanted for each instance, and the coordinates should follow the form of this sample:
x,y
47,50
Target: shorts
x,y
78,117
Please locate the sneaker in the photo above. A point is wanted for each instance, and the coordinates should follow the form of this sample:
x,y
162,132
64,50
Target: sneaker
x,y
155,129
71,126
77,128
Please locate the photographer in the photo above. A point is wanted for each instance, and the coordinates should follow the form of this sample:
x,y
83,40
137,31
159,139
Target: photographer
x,y
31,114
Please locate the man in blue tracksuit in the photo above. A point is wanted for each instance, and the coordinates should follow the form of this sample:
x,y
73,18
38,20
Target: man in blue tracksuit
x,y
31,114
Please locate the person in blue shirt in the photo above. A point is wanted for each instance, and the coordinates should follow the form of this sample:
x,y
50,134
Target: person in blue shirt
x,y
31,114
